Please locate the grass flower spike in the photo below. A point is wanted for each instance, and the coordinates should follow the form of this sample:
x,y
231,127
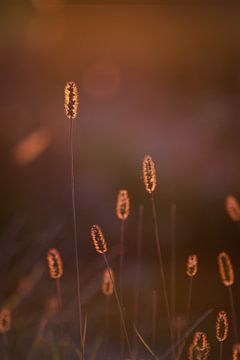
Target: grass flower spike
x,y
221,326
149,174
71,100
225,269
192,265
232,208
98,239
123,205
107,285
236,352
55,264
5,320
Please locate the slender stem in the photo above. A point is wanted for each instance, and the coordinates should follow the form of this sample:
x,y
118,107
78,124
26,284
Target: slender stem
x,y
75,236
5,340
173,264
106,323
121,283
137,276
159,251
59,293
59,296
121,262
189,301
221,350
118,303
154,317
234,319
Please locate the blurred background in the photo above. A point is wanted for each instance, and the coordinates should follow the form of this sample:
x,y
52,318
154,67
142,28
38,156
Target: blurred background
x,y
153,79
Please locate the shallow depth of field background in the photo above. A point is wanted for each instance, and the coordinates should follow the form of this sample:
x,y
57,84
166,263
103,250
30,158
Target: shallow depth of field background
x,y
157,79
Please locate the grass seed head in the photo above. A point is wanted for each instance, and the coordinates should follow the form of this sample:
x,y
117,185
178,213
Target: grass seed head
x,y
54,264
225,269
71,100
107,282
5,320
232,208
221,326
149,174
192,265
123,205
236,352
200,340
194,353
98,239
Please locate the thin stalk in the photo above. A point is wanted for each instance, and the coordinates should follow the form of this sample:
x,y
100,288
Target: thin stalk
x,y
5,341
137,276
106,324
59,293
160,258
122,345
59,296
234,319
154,317
189,301
221,350
75,237
118,303
173,265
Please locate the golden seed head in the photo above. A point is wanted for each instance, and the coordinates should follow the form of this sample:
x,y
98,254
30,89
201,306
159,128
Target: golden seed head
x,y
236,352
107,282
71,99
222,326
98,239
54,264
225,269
232,208
149,174
123,205
192,265
5,320
200,340
194,353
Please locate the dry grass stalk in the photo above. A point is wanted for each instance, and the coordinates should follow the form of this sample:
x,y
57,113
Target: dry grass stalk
x,y
149,177
122,211
233,208
71,106
71,100
137,277
100,245
54,264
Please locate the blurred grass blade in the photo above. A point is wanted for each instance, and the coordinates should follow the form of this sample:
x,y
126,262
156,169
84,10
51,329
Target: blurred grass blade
x,y
145,344
187,333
